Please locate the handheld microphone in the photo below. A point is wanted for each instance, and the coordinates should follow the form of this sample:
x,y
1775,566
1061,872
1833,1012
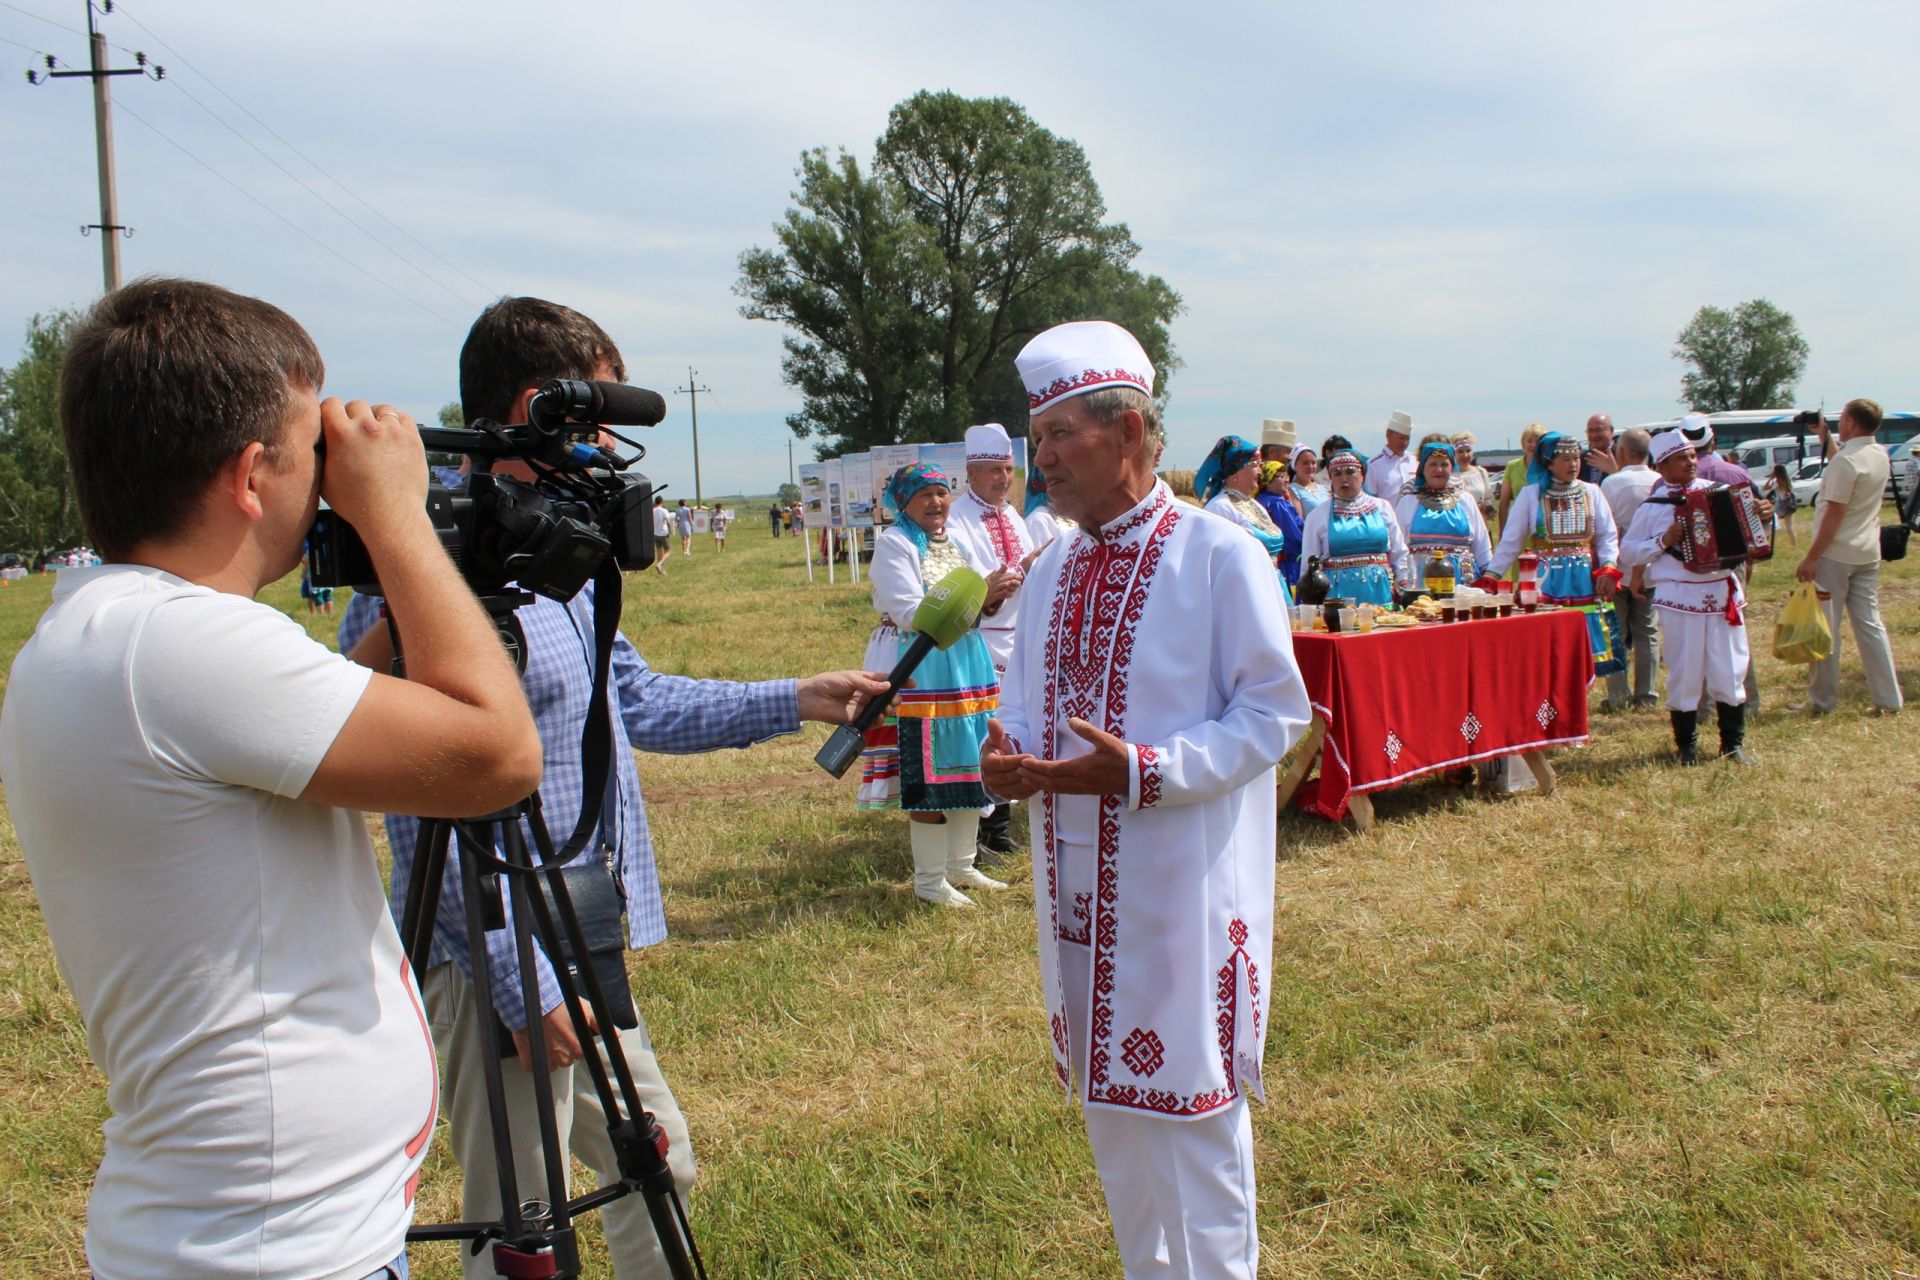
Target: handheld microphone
x,y
951,607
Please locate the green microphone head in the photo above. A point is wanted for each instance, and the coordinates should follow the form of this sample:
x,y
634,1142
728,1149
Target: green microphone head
x,y
951,607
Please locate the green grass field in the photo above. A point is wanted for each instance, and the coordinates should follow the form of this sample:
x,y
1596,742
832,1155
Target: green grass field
x,y
1658,1024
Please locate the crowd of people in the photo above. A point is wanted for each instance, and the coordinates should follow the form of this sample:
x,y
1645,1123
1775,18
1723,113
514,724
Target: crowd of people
x,y
1596,511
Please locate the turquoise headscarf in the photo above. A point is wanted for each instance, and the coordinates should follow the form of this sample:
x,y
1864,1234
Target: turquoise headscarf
x,y
1419,482
906,482
1539,466
1036,490
1229,454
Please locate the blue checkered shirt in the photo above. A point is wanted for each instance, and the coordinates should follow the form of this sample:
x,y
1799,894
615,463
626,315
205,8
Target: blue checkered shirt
x,y
675,715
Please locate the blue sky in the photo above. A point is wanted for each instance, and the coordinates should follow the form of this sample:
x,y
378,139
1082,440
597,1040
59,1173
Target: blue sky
x,y
1481,213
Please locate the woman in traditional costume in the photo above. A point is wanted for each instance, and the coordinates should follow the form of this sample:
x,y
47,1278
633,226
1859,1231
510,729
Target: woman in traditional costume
x,y
1438,513
1567,521
1307,485
928,760
1283,505
1479,482
1043,522
1226,482
1355,535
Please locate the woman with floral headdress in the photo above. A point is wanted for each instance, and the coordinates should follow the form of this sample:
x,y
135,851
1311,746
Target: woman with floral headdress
x,y
1566,520
1355,535
1043,522
927,761
1226,482
1275,493
1438,513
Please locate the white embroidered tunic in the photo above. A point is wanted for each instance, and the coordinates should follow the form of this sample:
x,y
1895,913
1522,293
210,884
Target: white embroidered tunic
x,y
1674,585
1168,631
992,537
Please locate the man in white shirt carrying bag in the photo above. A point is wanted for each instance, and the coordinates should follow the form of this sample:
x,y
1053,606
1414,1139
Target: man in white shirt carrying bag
x,y
183,763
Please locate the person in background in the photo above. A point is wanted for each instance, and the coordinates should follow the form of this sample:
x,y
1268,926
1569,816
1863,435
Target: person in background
x,y
1225,483
662,536
1283,505
1843,560
722,518
1514,478
1044,524
1391,470
1308,487
1478,482
773,519
1598,462
927,760
1437,514
1568,521
1780,490
1705,632
1624,491
683,523
1277,440
1356,536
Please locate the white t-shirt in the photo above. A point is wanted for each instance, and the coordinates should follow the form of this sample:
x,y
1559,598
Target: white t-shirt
x,y
1626,489
662,523
269,1070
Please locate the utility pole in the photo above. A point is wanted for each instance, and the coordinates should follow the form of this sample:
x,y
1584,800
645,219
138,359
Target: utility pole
x,y
692,391
790,479
109,225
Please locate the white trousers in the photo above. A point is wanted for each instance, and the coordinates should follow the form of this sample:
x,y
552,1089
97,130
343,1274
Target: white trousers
x,y
1704,656
1180,1192
454,1016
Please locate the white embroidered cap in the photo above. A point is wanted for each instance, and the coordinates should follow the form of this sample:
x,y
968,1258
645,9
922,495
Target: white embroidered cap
x,y
1085,355
1400,422
1698,428
989,443
1278,431
1668,443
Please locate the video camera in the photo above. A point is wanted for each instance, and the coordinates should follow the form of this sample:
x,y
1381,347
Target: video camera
x,y
548,536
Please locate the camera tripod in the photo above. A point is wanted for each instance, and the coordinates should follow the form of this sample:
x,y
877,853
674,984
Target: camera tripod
x,y
535,1239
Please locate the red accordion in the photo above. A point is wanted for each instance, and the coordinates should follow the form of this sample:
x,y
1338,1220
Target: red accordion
x,y
1722,528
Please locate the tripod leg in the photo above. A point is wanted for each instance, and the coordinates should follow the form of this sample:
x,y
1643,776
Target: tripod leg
x,y
423,893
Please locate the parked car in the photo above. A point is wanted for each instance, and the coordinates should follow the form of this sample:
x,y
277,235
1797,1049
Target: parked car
x,y
1806,481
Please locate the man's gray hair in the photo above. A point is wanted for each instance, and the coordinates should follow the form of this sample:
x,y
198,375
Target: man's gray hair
x,y
1107,404
1634,445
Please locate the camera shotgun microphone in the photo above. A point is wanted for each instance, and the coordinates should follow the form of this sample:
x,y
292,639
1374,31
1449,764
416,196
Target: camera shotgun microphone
x,y
949,610
607,404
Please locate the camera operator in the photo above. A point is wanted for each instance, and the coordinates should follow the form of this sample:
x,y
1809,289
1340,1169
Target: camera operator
x,y
516,345
181,763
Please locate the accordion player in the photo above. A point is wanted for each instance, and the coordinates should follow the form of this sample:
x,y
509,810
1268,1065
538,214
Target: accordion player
x,y
1721,527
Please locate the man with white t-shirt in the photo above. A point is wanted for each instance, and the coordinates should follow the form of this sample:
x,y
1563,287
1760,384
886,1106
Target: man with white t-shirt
x,y
1625,489
182,765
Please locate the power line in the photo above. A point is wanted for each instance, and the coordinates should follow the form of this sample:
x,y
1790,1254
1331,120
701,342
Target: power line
x,y
310,190
385,284
72,31
490,292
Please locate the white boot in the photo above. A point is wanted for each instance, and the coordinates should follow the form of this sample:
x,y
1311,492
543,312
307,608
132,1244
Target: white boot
x,y
930,866
963,830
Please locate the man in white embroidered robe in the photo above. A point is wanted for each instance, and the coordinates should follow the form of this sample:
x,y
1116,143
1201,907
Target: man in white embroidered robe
x,y
996,541
1151,692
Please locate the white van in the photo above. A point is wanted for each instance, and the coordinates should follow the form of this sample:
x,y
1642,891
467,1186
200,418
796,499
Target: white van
x,y
1760,457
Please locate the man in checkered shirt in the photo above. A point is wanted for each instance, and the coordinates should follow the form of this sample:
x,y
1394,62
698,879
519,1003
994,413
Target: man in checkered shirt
x,y
515,346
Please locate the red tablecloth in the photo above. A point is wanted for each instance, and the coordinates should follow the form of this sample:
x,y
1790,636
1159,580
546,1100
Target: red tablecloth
x,y
1400,703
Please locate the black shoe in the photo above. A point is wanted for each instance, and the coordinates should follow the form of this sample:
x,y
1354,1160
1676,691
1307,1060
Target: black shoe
x,y
1686,735
1733,733
996,835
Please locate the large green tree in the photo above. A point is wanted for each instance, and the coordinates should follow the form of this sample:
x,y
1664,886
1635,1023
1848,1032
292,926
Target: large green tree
x,y
37,508
1748,358
909,288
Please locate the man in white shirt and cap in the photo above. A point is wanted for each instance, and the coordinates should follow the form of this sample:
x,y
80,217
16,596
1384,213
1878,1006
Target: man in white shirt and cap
x,y
1278,440
1151,691
995,539
1391,470
1703,634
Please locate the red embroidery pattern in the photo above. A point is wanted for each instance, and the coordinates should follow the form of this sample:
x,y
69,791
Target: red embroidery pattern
x,y
1006,543
1224,995
1081,931
1085,381
1143,1052
1149,775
